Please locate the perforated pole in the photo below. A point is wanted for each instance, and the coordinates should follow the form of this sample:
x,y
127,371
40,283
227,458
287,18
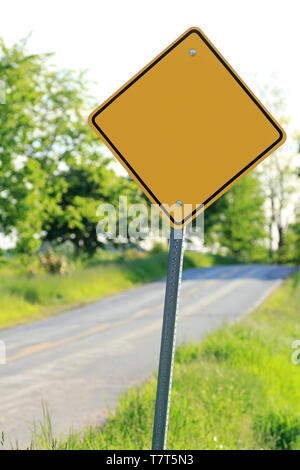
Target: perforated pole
x,y
168,339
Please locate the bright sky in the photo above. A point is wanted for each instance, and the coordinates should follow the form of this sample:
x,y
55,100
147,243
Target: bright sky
x,y
113,39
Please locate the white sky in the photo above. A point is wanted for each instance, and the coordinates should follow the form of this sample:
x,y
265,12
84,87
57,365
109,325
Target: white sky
x,y
114,39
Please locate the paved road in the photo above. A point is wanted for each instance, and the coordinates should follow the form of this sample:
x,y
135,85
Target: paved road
x,y
82,359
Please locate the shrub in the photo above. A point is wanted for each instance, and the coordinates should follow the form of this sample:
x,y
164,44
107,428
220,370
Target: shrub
x,y
278,429
53,263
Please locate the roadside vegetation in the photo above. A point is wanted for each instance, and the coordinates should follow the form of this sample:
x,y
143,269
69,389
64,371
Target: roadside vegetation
x,y
27,294
238,389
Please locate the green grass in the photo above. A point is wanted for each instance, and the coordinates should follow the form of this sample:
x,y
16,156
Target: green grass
x,y
238,389
25,297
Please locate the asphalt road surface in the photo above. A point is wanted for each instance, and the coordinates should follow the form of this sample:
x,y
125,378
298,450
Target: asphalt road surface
x,y
81,360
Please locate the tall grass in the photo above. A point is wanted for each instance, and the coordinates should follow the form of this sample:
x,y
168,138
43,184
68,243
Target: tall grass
x,y
25,297
239,389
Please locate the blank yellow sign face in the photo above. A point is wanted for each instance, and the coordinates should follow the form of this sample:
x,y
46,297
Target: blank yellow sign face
x,y
186,127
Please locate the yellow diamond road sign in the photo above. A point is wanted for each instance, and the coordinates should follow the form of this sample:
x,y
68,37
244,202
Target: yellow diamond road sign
x,y
186,127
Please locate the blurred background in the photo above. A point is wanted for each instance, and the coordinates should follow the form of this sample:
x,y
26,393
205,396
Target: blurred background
x,y
58,61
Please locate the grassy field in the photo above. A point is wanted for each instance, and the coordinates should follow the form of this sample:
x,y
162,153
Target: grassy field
x,y
25,297
239,389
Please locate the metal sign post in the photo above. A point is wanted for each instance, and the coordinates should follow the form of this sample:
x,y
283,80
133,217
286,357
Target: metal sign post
x,y
168,339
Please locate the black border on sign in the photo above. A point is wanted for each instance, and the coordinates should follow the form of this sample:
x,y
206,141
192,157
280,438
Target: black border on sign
x,y
238,81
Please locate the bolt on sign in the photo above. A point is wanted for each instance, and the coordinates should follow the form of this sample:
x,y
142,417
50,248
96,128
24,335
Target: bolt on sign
x,y
186,127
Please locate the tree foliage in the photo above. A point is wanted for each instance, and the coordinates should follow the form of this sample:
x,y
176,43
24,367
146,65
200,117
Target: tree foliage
x,y
52,172
239,219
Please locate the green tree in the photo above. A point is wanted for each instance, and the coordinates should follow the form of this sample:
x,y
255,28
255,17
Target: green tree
x,y
212,218
21,177
279,177
52,172
86,187
240,223
291,248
